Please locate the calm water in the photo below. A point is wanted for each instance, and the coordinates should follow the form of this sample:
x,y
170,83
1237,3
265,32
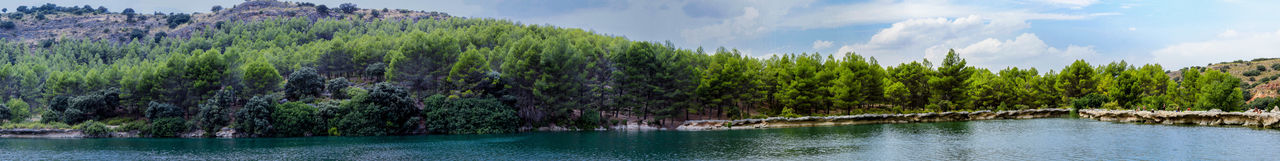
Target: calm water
x,y
1035,139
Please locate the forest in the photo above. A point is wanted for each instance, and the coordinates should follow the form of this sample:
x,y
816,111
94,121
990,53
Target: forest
x,y
343,77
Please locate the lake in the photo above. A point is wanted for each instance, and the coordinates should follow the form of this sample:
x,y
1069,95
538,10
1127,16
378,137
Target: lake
x,y
1033,139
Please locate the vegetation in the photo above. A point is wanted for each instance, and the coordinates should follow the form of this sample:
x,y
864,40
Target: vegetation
x,y
474,75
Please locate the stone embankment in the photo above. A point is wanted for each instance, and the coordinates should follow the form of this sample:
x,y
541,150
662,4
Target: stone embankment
x,y
1254,119
780,122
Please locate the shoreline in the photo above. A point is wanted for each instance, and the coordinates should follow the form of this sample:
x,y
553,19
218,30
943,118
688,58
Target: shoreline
x,y
1215,118
810,121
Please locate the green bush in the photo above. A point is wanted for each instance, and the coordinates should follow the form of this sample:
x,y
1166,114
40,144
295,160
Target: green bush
x,y
386,110
1265,103
469,116
156,110
1092,100
4,113
93,129
1252,73
788,113
295,119
167,127
138,125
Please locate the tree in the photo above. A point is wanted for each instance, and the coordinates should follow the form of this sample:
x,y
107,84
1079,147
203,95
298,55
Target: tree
x,y
915,77
335,87
254,119
423,60
897,93
128,13
213,113
304,83
5,113
348,8
260,77
1077,80
203,75
1220,91
17,110
949,82
469,75
216,8
323,10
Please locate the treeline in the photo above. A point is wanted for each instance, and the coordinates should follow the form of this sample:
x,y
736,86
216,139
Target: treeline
x,y
297,77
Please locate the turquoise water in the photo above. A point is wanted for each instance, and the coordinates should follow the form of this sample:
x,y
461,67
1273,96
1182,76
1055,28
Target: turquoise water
x,y
1034,139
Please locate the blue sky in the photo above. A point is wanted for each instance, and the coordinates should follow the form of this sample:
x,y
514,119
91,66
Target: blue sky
x,y
1046,34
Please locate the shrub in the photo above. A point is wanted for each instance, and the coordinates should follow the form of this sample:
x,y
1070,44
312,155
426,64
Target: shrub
x,y
1092,100
1262,68
19,110
477,116
386,110
295,119
167,127
36,125
7,25
93,129
1252,73
788,113
133,125
1265,103
178,19
156,110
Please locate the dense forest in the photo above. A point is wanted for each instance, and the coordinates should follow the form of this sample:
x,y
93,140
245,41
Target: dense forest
x,y
353,77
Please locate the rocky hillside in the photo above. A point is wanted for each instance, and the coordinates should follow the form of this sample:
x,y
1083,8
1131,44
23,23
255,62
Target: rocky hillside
x,y
34,24
1259,75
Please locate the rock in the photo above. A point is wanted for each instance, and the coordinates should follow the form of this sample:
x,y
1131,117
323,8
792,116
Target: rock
x,y
226,132
1215,110
779,122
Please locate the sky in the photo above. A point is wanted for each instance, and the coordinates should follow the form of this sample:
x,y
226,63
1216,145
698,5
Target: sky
x,y
1044,34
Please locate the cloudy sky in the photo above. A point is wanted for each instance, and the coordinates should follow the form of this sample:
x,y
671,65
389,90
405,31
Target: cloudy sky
x,y
989,33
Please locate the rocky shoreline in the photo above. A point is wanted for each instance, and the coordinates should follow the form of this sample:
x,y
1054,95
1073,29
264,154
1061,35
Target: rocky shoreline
x,y
1251,119
779,122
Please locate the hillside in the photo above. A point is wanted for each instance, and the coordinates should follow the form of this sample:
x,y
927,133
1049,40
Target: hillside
x,y
52,22
1263,83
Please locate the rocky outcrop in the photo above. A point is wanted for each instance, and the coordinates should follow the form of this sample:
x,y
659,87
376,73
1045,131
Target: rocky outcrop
x,y
779,122
1253,119
40,133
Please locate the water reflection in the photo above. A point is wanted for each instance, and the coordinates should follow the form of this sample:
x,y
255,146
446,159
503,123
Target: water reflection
x,y
1036,139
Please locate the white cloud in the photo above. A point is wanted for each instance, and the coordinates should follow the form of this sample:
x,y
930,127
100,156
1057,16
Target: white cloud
x,y
1027,50
820,44
747,24
975,38
1073,4
1228,46
1133,29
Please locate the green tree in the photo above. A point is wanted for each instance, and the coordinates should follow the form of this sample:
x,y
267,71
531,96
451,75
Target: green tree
x,y
468,77
304,83
156,111
1077,80
468,116
254,119
260,77
949,83
1220,91
167,127
335,87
